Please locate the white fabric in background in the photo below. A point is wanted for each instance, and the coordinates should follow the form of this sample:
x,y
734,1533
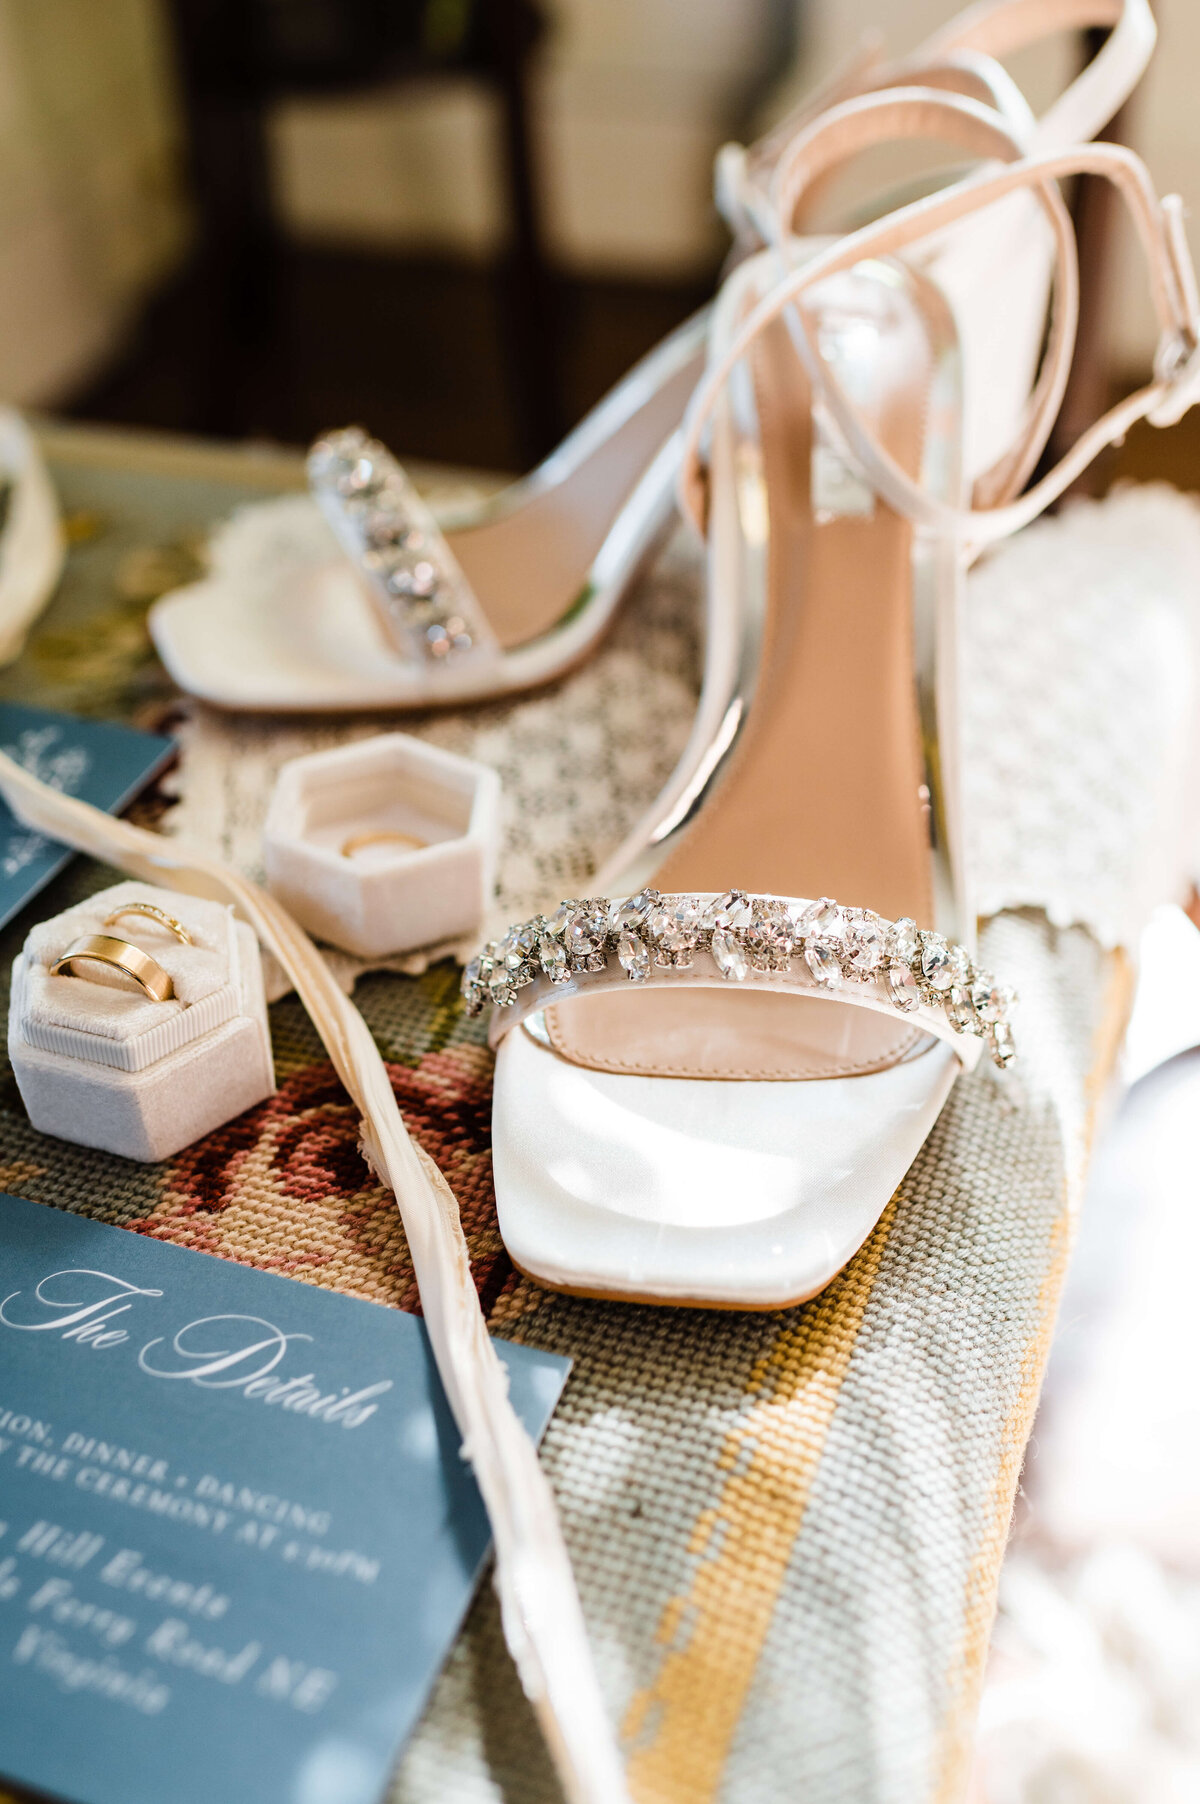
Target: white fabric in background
x,y
1093,1689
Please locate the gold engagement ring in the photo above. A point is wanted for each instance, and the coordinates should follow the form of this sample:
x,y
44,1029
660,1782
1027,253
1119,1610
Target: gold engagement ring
x,y
152,913
408,842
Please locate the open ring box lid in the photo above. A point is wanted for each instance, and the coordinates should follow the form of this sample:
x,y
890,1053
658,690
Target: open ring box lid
x,y
100,1062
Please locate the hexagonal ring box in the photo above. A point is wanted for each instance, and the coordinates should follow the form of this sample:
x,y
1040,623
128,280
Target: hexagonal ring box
x,y
100,1063
384,845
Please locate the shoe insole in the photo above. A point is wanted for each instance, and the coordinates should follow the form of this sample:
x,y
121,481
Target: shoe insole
x,y
825,793
529,567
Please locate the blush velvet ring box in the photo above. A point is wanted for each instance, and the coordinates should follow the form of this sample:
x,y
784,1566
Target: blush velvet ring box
x,y
100,1061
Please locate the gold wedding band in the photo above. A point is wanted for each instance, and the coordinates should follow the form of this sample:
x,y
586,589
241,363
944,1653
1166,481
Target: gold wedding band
x,y
385,836
152,913
122,955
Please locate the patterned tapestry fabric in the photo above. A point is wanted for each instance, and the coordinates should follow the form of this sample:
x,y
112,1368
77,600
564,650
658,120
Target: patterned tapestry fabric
x,y
786,1528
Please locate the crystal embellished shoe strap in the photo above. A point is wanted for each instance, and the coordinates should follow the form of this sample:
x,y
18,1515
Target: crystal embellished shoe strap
x,y
798,948
425,604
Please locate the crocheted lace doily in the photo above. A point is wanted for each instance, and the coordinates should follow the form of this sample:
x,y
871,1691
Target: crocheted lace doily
x,y
1080,712
1079,690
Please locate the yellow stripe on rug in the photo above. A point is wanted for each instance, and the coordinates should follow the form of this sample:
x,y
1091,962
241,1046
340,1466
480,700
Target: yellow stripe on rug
x,y
682,1724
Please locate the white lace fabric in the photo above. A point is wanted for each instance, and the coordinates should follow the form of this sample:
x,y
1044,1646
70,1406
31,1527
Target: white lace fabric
x,y
1080,713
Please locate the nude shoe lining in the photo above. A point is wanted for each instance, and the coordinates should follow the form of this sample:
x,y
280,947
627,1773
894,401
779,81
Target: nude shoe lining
x,y
823,795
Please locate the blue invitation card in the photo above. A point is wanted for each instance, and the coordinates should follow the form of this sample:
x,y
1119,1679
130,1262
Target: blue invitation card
x,y
95,760
237,1536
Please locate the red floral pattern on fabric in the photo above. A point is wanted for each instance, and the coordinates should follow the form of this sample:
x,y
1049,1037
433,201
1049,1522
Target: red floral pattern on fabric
x,y
285,1188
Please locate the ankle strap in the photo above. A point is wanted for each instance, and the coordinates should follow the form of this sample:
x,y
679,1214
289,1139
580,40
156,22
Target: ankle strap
x,y
736,190
1176,384
997,28
744,180
906,113
889,116
962,56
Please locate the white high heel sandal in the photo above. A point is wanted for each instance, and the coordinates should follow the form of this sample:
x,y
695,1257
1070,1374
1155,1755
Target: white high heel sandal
x,y
522,589
412,617
707,1098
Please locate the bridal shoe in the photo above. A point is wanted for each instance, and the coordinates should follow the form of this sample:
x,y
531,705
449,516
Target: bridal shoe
x,y
708,1090
411,615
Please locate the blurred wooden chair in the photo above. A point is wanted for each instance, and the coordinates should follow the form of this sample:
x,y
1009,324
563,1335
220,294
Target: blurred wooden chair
x,y
237,57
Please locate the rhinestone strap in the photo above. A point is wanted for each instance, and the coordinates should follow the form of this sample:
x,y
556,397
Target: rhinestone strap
x,y
425,603
797,947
